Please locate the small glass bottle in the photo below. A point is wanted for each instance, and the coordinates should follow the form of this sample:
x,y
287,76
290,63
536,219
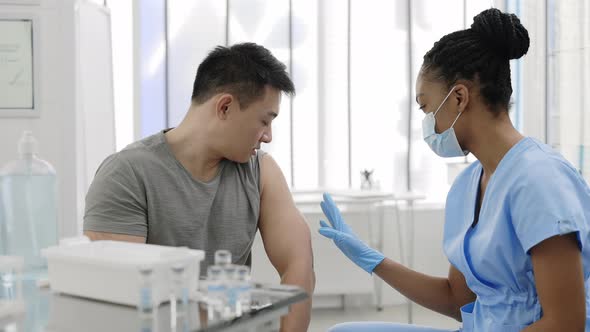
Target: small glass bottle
x,y
147,323
222,257
10,279
216,292
231,291
181,323
243,289
146,290
180,288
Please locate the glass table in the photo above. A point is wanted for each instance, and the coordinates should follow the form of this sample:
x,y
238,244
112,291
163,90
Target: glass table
x,y
49,311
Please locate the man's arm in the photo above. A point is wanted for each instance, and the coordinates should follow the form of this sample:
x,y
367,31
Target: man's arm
x,y
287,240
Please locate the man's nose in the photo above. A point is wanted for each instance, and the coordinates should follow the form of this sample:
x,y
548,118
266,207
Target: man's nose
x,y
267,136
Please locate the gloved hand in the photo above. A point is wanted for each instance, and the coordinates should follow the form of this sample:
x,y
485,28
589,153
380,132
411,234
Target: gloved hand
x,y
355,249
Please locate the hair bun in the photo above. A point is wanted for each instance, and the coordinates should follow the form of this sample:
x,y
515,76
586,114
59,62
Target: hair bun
x,y
504,33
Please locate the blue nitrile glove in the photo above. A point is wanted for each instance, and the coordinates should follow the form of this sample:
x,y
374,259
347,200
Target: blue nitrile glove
x,y
356,250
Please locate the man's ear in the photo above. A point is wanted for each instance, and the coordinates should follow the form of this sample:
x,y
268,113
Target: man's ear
x,y
223,105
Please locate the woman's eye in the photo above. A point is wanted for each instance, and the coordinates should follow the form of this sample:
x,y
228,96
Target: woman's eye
x,y
265,123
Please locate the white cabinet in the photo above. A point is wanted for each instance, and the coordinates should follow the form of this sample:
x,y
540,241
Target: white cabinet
x,y
74,120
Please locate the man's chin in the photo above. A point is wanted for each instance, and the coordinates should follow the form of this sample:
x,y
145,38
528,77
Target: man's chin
x,y
241,159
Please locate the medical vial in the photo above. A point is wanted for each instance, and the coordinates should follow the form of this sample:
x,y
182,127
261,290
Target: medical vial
x,y
180,289
222,257
243,288
181,323
231,291
11,278
146,299
216,293
7,283
147,323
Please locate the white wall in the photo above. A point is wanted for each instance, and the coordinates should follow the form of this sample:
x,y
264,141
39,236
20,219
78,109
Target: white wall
x,y
533,71
149,67
570,54
194,29
123,70
61,127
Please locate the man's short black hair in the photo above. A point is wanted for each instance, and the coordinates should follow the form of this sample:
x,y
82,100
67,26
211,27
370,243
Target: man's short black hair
x,y
242,70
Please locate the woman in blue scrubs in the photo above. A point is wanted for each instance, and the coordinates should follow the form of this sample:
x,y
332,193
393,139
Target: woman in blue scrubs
x,y
516,221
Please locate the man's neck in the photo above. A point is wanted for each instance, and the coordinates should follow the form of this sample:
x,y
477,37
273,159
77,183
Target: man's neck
x,y
190,146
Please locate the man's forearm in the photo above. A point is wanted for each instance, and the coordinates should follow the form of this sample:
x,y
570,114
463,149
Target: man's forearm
x,y
300,313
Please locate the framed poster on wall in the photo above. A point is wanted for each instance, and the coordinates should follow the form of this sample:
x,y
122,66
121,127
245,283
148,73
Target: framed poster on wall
x,y
18,86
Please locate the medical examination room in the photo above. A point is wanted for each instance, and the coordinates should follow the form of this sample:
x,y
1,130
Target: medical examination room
x,y
295,165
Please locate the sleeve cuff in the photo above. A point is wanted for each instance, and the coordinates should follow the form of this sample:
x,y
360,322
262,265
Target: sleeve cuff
x,y
105,226
559,227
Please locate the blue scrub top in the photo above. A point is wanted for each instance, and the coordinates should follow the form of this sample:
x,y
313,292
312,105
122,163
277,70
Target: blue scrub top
x,y
534,194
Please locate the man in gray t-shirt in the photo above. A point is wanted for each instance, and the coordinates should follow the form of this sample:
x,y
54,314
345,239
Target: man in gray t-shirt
x,y
205,184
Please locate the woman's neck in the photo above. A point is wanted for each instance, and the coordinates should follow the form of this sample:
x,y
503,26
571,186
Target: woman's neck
x,y
490,143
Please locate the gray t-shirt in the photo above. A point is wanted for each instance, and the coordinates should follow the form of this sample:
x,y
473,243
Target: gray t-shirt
x,y
143,190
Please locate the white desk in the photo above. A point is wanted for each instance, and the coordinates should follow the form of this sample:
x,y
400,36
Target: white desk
x,y
51,311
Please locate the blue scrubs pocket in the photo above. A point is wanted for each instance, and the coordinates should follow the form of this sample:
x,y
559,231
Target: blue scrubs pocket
x,y
469,324
467,317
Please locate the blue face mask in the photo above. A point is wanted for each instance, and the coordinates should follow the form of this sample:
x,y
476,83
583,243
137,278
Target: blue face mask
x,y
444,144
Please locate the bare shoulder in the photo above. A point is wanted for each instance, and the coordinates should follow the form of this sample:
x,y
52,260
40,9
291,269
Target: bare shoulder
x,y
268,163
270,173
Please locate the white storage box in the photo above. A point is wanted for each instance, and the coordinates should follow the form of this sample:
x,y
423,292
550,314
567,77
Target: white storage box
x,y
109,270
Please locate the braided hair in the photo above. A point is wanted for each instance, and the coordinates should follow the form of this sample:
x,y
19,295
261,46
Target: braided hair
x,y
481,54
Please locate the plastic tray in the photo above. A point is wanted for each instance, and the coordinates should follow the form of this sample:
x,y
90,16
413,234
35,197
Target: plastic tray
x,y
109,270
